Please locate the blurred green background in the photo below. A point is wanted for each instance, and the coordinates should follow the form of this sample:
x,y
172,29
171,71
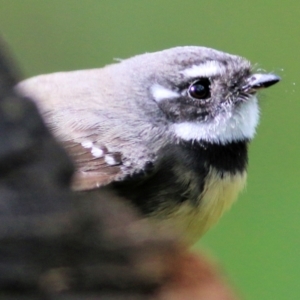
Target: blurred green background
x,y
257,242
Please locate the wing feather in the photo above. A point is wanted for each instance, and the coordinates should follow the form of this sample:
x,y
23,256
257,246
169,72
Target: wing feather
x,y
92,169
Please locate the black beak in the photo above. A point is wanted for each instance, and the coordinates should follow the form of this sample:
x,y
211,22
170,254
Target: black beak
x,y
260,81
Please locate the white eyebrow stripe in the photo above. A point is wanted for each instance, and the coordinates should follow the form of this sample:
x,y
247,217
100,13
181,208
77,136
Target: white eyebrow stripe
x,y
160,93
207,69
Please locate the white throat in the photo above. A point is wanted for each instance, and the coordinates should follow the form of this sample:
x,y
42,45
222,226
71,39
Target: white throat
x,y
227,127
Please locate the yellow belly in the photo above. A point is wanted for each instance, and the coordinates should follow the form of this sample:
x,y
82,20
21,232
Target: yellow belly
x,y
192,221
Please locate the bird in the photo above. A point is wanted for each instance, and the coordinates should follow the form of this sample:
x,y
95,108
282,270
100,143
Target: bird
x,y
167,131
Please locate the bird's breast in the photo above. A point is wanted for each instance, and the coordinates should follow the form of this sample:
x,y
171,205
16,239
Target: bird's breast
x,y
189,187
192,220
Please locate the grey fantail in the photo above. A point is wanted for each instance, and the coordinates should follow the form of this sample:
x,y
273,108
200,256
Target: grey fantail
x,y
168,131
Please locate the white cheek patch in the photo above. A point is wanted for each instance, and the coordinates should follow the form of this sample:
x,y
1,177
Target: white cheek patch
x,y
160,93
207,69
227,127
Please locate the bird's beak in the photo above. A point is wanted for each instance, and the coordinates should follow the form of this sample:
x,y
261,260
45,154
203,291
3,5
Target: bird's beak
x,y
260,81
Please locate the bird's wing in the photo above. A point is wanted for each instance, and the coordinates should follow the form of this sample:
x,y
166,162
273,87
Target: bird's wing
x,y
74,108
95,165
98,157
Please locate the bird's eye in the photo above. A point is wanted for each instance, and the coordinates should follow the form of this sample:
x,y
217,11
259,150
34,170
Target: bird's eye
x,y
200,89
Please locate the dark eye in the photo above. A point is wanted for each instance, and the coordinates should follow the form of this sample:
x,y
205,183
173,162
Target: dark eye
x,y
200,89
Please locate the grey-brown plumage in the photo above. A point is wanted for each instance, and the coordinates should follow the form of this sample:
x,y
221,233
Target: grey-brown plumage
x,y
166,130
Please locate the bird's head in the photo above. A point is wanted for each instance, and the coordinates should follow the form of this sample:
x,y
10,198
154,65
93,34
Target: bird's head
x,y
206,95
